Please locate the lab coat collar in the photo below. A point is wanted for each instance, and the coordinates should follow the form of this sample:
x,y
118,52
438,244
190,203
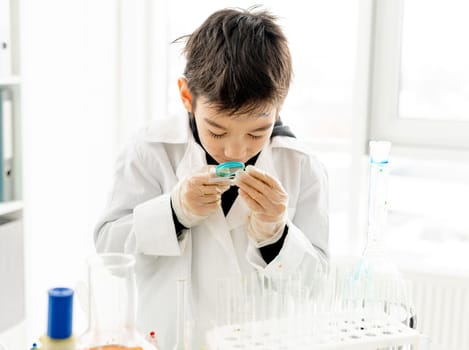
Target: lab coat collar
x,y
176,129
173,129
192,161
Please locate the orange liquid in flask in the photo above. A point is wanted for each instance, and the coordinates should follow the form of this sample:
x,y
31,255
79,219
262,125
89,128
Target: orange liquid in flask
x,y
116,347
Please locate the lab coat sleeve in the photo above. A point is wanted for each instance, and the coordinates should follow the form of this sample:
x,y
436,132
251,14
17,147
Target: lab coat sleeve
x,y
307,241
138,217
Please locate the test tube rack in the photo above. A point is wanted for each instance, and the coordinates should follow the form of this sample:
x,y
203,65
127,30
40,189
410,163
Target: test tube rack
x,y
339,333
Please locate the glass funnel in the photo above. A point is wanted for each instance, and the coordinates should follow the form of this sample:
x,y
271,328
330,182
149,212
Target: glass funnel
x,y
112,305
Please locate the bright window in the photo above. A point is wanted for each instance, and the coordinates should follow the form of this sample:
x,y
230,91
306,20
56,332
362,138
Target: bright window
x,y
434,62
420,78
420,102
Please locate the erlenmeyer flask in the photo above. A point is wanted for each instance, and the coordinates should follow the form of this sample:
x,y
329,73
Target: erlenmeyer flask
x,y
376,285
112,305
375,259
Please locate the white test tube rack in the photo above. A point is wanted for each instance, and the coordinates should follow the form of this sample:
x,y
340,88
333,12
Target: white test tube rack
x,y
341,332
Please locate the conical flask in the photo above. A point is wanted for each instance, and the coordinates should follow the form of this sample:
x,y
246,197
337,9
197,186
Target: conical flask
x,y
375,253
112,305
376,284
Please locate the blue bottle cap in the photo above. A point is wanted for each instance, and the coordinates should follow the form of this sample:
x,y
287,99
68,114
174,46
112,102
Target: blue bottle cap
x,y
59,325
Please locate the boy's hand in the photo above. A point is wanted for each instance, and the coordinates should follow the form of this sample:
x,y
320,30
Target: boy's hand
x,y
268,201
194,198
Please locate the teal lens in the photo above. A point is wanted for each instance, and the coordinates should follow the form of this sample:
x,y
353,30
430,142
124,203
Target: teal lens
x,y
229,169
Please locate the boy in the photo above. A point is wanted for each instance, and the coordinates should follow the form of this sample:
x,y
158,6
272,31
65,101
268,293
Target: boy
x,y
164,207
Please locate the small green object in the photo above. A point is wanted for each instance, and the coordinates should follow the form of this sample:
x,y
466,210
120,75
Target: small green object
x,y
228,169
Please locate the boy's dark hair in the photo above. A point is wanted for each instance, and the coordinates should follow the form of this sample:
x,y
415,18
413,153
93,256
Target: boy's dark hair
x,y
238,59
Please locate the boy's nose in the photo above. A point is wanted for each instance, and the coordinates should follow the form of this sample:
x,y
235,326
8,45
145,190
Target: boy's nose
x,y
235,152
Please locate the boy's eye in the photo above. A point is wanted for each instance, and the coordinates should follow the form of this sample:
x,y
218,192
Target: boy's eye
x,y
255,136
217,136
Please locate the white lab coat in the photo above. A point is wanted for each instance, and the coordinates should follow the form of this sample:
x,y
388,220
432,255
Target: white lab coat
x,y
138,220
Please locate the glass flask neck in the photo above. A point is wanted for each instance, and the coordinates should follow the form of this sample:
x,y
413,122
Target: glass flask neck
x,y
377,195
112,305
112,294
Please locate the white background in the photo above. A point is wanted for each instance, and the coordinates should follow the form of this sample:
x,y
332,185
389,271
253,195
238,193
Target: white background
x,y
94,71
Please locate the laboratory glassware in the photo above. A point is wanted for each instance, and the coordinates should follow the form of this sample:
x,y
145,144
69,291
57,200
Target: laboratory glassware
x,y
226,172
376,287
112,305
182,343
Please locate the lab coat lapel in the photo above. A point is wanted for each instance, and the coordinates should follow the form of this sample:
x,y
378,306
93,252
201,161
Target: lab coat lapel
x,y
218,227
265,161
237,216
216,224
192,161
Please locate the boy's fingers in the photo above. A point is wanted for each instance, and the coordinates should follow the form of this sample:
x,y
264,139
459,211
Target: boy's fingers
x,y
251,202
262,176
250,184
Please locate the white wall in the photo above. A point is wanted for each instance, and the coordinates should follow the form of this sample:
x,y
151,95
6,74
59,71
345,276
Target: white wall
x,y
69,98
77,112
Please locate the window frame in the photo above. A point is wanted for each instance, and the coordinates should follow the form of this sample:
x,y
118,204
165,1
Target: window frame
x,y
384,121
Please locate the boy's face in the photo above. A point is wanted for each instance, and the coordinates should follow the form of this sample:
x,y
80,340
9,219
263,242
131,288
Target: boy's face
x,y
233,137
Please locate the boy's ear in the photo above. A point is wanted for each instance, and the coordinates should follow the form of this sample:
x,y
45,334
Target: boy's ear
x,y
185,94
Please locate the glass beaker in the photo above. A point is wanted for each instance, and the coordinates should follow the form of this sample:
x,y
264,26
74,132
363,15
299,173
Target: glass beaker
x,y
112,305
